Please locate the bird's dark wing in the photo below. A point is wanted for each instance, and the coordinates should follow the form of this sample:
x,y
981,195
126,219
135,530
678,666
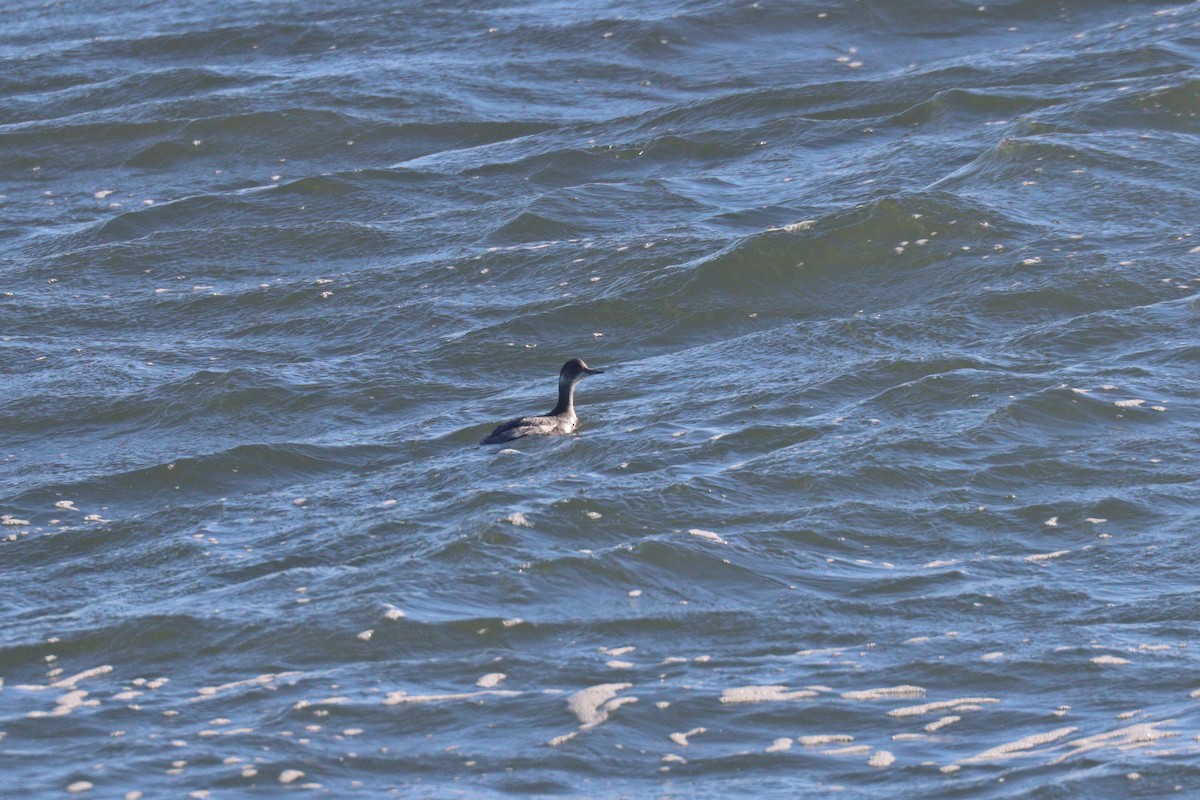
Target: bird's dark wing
x,y
513,429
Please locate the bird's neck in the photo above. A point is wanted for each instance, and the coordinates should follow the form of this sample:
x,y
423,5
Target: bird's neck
x,y
566,400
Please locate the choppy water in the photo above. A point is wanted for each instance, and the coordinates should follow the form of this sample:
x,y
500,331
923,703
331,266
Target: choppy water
x,y
890,485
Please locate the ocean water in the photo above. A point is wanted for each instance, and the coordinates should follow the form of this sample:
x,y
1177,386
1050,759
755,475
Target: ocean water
x,y
889,487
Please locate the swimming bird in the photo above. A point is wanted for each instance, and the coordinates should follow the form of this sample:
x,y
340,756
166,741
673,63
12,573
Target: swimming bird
x,y
561,420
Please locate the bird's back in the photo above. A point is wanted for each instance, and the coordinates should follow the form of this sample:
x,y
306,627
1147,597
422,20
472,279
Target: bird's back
x,y
530,426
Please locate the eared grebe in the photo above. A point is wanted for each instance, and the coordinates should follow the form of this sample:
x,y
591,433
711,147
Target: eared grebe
x,y
561,420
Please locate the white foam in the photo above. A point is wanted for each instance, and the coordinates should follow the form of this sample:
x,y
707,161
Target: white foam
x,y
69,683
328,701
490,680
703,534
1036,557
79,786
519,519
779,745
764,694
618,651
1018,747
1142,734
852,750
888,691
880,759
402,697
67,504
1129,403
1109,660
681,739
1051,523
593,705
925,708
794,227
65,704
365,635
289,775
817,740
261,680
941,723
824,651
